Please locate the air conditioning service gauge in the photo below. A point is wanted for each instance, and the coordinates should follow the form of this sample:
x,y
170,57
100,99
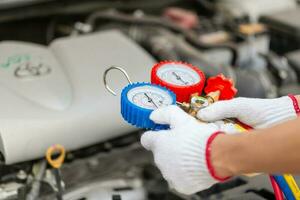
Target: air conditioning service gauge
x,y
182,78
138,100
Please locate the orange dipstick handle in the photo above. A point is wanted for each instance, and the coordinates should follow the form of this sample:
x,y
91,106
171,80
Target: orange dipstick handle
x,y
59,152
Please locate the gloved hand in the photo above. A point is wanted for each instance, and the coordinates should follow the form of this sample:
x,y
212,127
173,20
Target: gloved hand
x,y
258,113
182,153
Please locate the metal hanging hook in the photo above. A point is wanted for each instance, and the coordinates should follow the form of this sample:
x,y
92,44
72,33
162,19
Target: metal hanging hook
x,y
105,75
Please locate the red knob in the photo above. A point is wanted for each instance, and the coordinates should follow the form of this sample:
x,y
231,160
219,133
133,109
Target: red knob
x,y
181,78
222,84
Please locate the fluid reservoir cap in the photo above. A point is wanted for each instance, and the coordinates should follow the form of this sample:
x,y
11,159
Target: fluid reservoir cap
x,y
182,78
222,84
138,100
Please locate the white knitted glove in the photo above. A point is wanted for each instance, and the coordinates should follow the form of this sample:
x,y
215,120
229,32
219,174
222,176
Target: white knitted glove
x,y
180,153
258,113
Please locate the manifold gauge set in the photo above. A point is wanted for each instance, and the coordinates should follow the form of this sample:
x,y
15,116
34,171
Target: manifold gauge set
x,y
172,82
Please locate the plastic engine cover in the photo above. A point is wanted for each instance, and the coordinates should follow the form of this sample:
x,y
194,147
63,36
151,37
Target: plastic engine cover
x,y
55,94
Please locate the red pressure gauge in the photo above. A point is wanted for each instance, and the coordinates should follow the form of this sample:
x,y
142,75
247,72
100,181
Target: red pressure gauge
x,y
182,78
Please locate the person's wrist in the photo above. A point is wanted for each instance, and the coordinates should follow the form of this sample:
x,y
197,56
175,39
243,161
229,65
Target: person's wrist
x,y
298,99
218,158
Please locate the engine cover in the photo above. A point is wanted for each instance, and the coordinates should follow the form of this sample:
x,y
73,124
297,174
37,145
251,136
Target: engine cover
x,y
55,94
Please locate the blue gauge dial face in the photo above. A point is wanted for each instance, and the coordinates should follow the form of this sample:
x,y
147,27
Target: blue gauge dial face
x,y
149,97
178,74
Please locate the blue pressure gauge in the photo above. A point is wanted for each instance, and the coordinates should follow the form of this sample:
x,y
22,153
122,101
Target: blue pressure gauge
x,y
138,100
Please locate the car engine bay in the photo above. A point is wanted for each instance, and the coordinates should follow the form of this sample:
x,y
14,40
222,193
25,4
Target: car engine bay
x,y
52,57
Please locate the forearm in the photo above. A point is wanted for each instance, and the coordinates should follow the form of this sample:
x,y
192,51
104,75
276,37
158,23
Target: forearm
x,y
273,150
298,99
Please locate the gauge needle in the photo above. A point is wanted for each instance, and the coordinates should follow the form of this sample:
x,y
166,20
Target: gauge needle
x,y
179,78
150,99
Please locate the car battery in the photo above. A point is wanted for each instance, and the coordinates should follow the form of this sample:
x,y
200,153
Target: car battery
x,y
284,29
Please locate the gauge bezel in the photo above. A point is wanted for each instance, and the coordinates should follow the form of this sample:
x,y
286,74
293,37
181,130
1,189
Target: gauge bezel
x,y
139,116
153,92
127,89
182,92
194,68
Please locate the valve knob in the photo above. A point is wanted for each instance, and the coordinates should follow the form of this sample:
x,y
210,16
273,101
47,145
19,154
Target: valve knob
x,y
222,85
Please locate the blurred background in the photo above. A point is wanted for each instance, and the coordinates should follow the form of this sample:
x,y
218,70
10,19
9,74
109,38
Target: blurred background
x,y
255,42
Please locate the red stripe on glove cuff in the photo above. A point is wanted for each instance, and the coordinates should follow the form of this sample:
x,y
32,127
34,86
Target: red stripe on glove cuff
x,y
295,103
208,160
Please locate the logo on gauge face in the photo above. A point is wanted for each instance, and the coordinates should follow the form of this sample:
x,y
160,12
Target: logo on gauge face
x,y
28,69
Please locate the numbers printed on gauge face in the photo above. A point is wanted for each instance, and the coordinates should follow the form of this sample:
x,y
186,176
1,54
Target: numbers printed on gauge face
x,y
149,97
178,74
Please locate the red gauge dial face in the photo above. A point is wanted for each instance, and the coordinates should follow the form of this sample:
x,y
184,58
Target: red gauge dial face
x,y
182,78
178,74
